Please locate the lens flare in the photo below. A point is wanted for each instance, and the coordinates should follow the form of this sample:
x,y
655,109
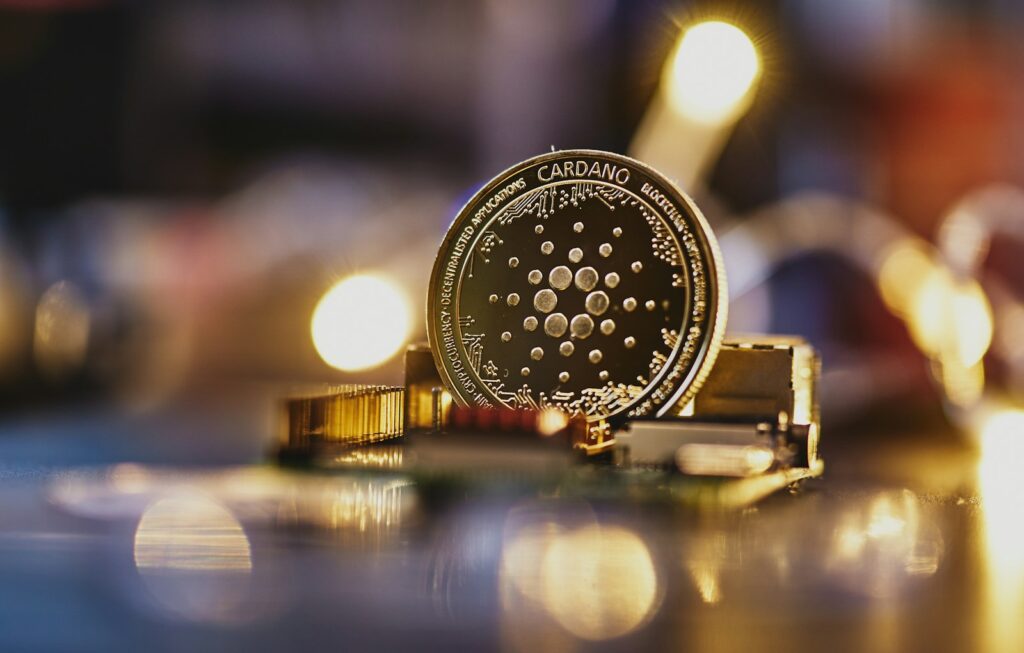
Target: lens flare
x,y
360,323
712,72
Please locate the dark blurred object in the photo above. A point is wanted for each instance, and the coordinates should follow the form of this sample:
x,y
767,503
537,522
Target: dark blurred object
x,y
64,74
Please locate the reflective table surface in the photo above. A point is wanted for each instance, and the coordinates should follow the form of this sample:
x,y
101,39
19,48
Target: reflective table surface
x,y
910,541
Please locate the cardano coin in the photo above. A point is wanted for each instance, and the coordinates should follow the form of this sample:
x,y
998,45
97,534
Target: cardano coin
x,y
580,280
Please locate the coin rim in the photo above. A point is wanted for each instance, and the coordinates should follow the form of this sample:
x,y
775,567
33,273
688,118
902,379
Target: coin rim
x,y
708,353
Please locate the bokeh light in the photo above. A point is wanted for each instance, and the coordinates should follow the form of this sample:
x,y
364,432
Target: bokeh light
x,y
599,582
712,72
1001,435
949,318
1002,450
61,330
881,545
962,385
952,318
905,268
551,421
591,581
360,323
194,558
523,555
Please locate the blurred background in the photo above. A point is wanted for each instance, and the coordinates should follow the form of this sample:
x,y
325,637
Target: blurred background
x,y
205,204
183,184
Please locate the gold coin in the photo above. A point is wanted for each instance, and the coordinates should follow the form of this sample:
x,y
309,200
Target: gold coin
x,y
594,237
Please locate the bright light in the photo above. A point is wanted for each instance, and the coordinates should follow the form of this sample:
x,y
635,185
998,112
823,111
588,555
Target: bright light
x,y
951,318
1002,448
551,421
191,533
360,323
905,269
706,579
599,582
702,459
367,506
523,555
596,582
704,559
1002,501
880,545
972,317
963,385
712,72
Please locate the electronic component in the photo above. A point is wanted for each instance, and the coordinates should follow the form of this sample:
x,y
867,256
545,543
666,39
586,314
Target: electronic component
x,y
344,415
426,401
757,377
484,440
757,411
712,449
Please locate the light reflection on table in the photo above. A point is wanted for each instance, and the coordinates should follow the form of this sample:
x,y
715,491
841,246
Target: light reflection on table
x,y
194,558
1001,488
595,581
257,556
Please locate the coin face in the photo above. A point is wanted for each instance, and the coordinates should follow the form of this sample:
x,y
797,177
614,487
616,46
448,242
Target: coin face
x,y
580,280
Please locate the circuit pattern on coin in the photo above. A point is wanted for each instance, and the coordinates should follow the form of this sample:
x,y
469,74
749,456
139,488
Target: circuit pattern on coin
x,y
607,283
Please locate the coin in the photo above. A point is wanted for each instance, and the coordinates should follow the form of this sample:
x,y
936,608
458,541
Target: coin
x,y
581,280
